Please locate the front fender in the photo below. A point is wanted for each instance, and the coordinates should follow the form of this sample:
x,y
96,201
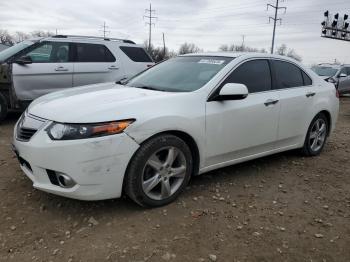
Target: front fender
x,y
194,127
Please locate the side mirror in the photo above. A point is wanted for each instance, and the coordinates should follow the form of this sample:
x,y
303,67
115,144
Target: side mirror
x,y
342,75
331,80
24,60
231,91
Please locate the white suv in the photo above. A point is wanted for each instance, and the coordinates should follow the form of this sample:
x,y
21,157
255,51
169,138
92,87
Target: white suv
x,y
39,66
185,116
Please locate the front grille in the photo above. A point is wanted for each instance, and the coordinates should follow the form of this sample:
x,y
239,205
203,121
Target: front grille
x,y
27,126
25,134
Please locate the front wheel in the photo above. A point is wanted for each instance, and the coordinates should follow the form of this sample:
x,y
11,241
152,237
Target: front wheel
x,y
159,171
316,136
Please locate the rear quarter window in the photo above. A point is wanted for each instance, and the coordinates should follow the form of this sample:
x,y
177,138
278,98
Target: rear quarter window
x,y
136,54
287,75
307,79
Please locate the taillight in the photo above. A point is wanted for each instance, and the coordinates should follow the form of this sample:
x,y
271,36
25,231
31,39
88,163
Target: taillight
x,y
337,93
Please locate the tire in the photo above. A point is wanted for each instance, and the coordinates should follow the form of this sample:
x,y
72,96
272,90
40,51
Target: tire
x,y
317,133
154,178
3,108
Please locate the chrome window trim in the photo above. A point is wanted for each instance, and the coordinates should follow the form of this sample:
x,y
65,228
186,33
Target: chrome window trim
x,y
261,58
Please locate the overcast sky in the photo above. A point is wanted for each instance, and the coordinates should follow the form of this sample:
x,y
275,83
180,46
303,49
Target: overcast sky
x,y
207,23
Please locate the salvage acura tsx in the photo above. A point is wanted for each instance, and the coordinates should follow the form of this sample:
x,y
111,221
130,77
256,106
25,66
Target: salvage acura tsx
x,y
183,117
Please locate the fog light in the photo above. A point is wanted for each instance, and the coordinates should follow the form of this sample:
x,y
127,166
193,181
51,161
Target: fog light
x,y
65,181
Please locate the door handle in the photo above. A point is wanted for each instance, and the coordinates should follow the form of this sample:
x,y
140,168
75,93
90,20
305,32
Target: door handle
x,y
61,69
311,94
113,67
271,102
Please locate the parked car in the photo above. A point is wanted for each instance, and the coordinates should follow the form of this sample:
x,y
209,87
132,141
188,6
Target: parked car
x,y
336,74
39,66
183,117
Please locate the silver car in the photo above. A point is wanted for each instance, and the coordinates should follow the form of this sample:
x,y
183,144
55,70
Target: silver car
x,y
336,74
39,66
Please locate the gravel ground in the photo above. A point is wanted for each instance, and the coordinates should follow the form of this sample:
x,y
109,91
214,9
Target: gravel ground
x,y
278,208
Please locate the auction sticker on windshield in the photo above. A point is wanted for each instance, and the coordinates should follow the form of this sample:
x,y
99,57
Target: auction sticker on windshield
x,y
211,61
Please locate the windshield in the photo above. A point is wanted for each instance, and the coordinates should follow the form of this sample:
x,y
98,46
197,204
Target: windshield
x,y
325,70
7,53
180,74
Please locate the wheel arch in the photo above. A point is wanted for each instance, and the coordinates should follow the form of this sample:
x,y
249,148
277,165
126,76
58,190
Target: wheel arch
x,y
188,139
329,119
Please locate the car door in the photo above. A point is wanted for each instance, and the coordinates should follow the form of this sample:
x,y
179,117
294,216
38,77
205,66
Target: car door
x,y
95,63
296,93
240,128
51,70
344,82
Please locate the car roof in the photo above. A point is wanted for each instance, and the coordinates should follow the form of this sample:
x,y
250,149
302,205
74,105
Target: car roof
x,y
78,38
241,54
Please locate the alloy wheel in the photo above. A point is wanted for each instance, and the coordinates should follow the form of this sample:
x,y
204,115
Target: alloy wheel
x,y
318,134
164,173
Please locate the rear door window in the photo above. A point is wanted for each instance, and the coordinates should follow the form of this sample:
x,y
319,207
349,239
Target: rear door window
x,y
343,71
254,74
136,54
347,70
287,75
93,53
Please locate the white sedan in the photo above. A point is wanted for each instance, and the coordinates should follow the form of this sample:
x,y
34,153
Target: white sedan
x,y
183,117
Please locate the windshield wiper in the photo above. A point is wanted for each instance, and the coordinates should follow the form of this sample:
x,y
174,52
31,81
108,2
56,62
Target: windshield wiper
x,y
150,88
122,81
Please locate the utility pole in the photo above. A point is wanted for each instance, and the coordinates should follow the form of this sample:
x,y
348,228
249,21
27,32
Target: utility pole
x,y
164,50
275,19
243,38
104,29
150,16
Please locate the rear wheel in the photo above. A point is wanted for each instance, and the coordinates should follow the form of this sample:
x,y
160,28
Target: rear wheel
x,y
316,136
159,171
3,107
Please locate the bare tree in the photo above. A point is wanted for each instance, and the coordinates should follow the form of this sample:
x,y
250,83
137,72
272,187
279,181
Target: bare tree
x,y
21,36
158,54
240,48
284,50
187,48
40,33
6,38
291,53
224,48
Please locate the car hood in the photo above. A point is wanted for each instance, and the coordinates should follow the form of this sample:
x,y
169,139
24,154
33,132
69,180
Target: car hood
x,y
98,103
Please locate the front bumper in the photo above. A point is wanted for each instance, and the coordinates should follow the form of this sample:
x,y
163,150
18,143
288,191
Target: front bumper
x,y
96,165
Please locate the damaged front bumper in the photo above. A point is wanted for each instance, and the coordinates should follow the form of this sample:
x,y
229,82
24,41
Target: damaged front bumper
x,y
94,168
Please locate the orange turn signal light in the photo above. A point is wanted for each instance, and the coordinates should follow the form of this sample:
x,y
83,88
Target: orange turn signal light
x,y
112,127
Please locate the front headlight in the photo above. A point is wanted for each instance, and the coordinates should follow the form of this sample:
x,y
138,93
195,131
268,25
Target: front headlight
x,y
58,131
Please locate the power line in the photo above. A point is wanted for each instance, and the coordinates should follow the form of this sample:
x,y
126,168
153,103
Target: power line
x,y
275,19
150,23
